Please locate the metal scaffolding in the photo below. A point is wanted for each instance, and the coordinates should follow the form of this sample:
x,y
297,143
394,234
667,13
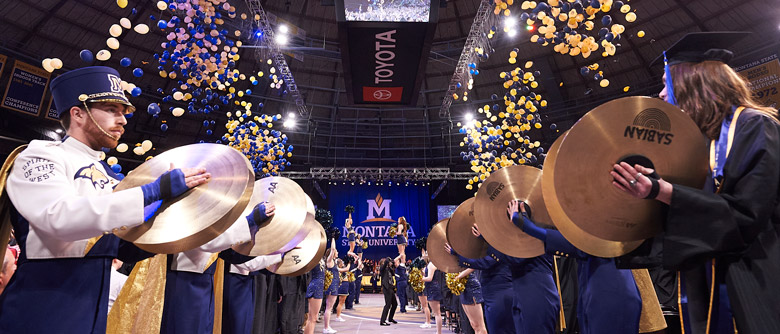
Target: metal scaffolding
x,y
379,174
274,52
477,38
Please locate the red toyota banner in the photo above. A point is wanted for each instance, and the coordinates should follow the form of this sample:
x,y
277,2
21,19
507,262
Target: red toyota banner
x,y
382,94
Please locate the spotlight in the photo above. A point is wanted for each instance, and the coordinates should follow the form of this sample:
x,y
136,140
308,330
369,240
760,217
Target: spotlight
x,y
511,33
510,22
289,124
469,117
258,33
283,29
281,39
291,115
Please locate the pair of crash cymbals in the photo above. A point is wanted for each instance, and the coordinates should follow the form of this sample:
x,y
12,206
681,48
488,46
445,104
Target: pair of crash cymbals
x,y
589,211
443,260
488,211
200,214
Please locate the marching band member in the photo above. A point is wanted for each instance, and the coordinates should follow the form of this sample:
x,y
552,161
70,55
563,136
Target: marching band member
x,y
64,210
609,300
189,284
238,291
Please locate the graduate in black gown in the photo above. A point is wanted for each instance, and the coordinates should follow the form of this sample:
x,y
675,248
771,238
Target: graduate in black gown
x,y
723,238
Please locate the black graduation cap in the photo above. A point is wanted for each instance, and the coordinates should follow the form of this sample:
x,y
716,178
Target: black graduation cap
x,y
700,46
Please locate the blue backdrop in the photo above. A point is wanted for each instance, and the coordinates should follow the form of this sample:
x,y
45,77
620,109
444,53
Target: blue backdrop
x,y
376,208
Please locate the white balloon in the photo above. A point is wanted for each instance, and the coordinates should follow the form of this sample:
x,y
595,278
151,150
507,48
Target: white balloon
x,y
141,29
121,148
115,30
47,65
177,111
56,63
112,161
112,43
125,22
146,145
178,96
103,55
161,5
138,150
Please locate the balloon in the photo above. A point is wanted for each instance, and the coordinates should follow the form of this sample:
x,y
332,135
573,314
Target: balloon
x,y
142,29
153,109
121,148
164,127
138,150
112,161
112,43
121,4
56,63
103,55
125,62
125,23
86,56
47,65
146,145
135,92
177,111
161,5
162,24
116,168
115,30
137,72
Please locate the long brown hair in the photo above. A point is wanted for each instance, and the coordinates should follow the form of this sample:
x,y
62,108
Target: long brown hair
x,y
708,90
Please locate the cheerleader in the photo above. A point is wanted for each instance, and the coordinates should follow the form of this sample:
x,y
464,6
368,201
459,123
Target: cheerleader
x,y
333,290
314,294
343,288
471,299
432,280
401,235
402,280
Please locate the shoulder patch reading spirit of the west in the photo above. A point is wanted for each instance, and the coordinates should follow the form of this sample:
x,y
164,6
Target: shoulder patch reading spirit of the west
x,y
38,169
92,173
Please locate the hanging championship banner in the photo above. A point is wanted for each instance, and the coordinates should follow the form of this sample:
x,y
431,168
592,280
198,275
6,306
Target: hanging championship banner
x,y
763,76
26,88
385,49
51,111
376,208
3,60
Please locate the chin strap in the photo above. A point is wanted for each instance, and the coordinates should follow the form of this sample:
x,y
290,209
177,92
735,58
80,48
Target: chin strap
x,y
89,112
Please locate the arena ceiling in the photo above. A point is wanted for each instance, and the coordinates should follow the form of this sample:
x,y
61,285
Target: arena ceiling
x,y
337,133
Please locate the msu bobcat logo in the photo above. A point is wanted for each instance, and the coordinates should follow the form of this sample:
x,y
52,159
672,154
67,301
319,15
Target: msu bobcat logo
x,y
92,173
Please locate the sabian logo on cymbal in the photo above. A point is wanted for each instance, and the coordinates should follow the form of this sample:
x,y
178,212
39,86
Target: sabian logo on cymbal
x,y
493,189
652,125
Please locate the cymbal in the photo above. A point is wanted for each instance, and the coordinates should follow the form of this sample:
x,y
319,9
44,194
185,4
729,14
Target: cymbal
x,y
641,130
285,228
579,238
201,213
443,260
459,233
519,182
306,254
309,205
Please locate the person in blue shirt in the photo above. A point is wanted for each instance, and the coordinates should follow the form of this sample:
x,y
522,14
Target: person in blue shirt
x,y
609,300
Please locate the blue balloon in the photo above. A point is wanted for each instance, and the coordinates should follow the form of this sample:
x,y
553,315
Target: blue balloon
x,y
125,62
138,72
164,127
209,132
153,109
120,176
162,24
105,149
116,168
86,56
135,92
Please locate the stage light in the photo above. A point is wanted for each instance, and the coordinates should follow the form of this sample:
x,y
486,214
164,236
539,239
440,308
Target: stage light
x,y
281,39
291,115
283,29
510,22
468,117
289,124
529,27
258,33
512,33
